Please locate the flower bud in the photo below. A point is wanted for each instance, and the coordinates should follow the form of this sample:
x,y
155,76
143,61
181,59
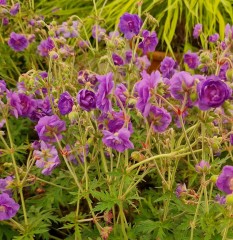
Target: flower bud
x,y
229,75
229,199
214,178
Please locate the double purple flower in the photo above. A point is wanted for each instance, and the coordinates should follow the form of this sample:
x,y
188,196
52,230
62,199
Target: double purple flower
x,y
130,25
118,140
212,93
17,42
104,90
48,127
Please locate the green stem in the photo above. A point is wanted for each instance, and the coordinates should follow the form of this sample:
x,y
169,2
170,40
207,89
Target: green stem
x,y
186,137
20,186
166,155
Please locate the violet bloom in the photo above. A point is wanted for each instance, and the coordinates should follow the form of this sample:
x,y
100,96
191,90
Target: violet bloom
x,y
229,31
5,21
128,56
191,59
17,42
98,32
5,184
2,87
222,71
142,62
167,67
130,25
118,140
68,30
212,93
47,158
121,92
202,167
65,103
117,60
35,145
160,118
104,90
49,126
214,38
149,42
197,30
42,109
86,99
2,2
2,122
21,105
220,199
181,190
181,83
15,9
144,88
8,207
231,139
45,47
225,180
119,121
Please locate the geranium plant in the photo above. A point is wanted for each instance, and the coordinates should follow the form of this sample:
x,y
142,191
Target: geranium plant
x,y
104,149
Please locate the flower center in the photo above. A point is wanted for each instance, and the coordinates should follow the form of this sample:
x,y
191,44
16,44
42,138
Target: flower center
x,y
231,184
2,209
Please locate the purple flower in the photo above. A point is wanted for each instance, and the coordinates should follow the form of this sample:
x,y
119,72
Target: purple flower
x,y
49,126
5,184
98,32
2,122
222,71
220,199
180,190
167,67
130,25
21,104
65,103
149,41
15,9
117,60
47,158
86,99
42,108
225,180
142,62
5,21
231,139
121,92
202,167
118,122
17,42
35,145
229,31
191,59
212,93
214,38
8,207
105,87
160,118
197,30
144,88
2,2
68,30
45,47
83,44
128,56
2,87
118,140
181,83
